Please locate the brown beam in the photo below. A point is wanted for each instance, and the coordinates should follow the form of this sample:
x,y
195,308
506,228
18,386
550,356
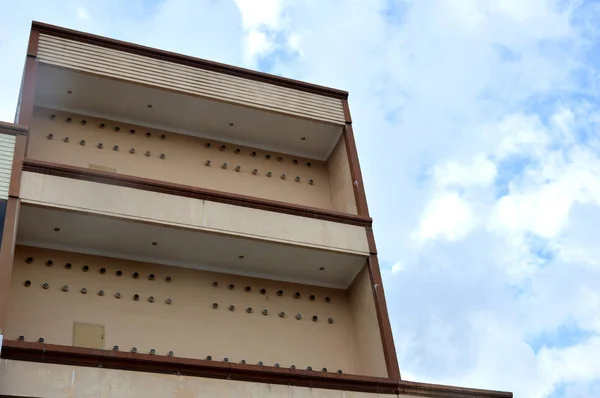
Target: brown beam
x,y
371,240
75,356
385,328
32,47
12,129
443,391
7,251
346,108
80,173
25,111
357,180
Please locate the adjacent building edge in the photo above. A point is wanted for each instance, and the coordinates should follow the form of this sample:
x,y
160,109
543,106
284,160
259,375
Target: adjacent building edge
x,y
67,355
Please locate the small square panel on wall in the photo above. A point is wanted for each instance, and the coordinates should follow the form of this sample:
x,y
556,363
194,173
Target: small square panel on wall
x,y
88,335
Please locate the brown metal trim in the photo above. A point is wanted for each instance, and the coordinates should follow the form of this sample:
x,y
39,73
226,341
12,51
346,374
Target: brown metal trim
x,y
66,355
17,166
80,173
186,60
357,181
7,251
32,47
26,102
13,129
443,391
385,328
347,116
371,240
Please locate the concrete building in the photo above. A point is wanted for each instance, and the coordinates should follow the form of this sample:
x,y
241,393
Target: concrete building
x,y
175,227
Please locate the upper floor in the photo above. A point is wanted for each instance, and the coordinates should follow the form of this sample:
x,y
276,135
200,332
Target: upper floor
x,y
136,134
119,108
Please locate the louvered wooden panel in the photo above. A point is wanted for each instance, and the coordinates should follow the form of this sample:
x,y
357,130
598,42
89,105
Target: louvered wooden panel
x,y
185,79
7,149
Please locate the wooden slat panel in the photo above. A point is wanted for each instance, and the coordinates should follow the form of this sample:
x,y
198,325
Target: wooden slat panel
x,y
213,80
209,84
7,149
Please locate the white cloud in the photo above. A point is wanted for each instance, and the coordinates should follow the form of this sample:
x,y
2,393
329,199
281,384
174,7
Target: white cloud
x,y
259,18
263,13
480,171
447,216
397,268
258,44
543,212
520,134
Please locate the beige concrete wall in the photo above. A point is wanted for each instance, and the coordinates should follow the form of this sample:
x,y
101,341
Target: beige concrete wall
x,y
58,381
189,326
340,179
134,204
139,69
184,162
366,327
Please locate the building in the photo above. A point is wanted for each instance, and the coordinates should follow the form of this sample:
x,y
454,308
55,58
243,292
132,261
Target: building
x,y
176,227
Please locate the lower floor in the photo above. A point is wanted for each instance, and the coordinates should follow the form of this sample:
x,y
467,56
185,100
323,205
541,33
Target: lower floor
x,y
82,374
43,380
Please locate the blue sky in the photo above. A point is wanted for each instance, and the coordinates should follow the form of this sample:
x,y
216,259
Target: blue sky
x,y
477,123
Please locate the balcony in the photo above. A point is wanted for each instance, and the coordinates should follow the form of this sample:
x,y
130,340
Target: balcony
x,y
126,149
198,294
128,114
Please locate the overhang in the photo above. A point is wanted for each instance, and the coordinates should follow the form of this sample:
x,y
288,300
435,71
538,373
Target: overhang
x,y
127,239
121,81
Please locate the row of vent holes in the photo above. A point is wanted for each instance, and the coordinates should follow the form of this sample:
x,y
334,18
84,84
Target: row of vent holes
x,y
266,312
86,268
207,145
248,289
237,151
152,351
163,156
168,300
101,292
102,125
101,146
255,172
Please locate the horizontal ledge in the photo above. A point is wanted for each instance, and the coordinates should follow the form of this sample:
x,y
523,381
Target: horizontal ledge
x,y
13,129
80,173
186,60
444,391
76,356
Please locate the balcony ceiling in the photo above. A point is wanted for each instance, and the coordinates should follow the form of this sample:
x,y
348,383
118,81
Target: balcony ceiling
x,y
124,239
185,114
